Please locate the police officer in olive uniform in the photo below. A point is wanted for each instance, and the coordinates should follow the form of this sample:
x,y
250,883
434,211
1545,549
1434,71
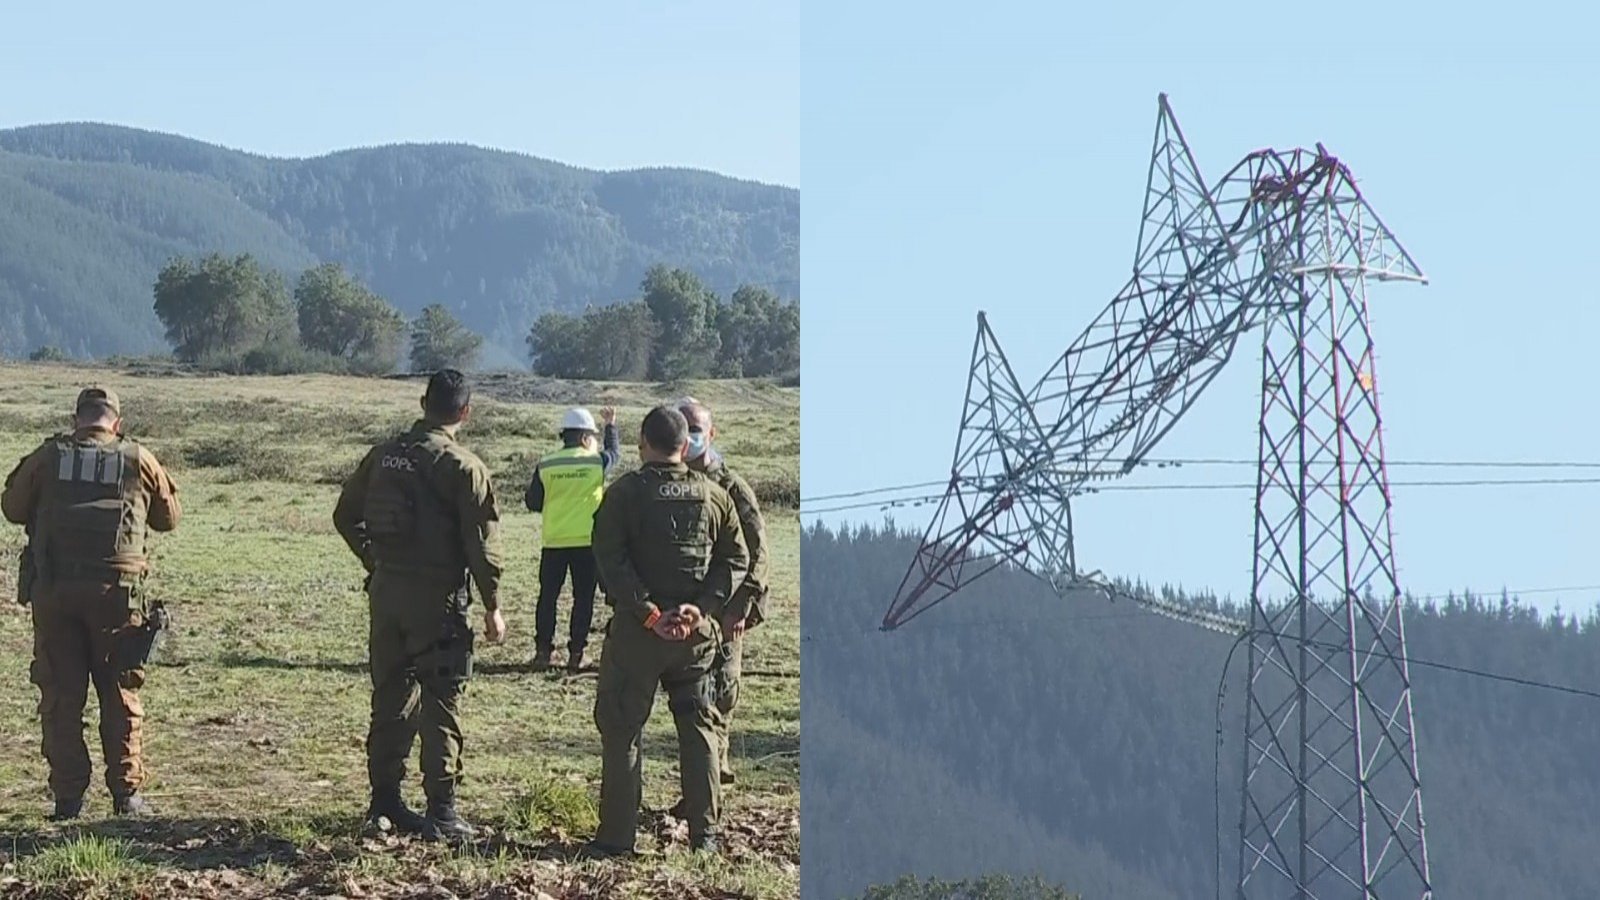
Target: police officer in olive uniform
x,y
751,594
89,499
669,549
420,514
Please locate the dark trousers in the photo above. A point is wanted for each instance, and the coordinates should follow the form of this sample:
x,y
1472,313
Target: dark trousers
x,y
554,564
421,659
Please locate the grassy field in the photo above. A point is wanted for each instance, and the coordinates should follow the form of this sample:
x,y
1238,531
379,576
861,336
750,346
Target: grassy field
x,y
257,702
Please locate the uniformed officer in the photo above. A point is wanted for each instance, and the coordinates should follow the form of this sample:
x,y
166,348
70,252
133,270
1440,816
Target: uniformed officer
x,y
565,490
751,594
669,549
420,514
89,500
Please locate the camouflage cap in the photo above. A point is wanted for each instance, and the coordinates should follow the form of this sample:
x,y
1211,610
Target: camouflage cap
x,y
101,395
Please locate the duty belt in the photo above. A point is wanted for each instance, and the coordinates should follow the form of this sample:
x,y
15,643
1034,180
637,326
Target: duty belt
x,y
444,575
83,571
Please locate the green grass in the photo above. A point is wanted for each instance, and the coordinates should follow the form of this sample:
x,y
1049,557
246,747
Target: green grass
x,y
87,865
257,703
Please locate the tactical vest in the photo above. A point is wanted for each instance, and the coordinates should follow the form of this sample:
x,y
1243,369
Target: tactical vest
x,y
410,525
675,523
92,512
574,480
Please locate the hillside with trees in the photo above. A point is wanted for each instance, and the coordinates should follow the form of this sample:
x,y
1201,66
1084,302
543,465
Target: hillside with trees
x,y
90,214
235,315
1012,731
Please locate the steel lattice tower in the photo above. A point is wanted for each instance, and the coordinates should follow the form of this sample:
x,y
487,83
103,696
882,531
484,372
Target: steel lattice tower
x,y
1332,803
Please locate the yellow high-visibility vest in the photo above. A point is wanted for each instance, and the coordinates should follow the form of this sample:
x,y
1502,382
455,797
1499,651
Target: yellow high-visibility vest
x,y
574,481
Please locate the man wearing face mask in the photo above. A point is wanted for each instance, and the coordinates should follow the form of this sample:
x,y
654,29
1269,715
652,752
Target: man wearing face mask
x,y
670,551
566,490
751,594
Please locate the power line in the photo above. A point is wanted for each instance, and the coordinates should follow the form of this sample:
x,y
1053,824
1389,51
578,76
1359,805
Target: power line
x,y
1216,775
920,499
1179,462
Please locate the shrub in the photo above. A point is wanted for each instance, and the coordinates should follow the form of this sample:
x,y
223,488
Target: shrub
x,y
291,359
49,353
777,492
556,805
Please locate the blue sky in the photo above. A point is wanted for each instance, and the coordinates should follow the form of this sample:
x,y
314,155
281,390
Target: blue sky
x,y
711,84
960,158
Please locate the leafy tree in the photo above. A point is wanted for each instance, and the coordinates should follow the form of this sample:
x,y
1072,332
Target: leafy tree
x,y
760,334
49,353
221,306
438,341
678,330
621,339
611,343
556,346
340,317
685,311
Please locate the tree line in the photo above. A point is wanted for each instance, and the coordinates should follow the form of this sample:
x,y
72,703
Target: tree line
x,y
678,328
236,314
1014,731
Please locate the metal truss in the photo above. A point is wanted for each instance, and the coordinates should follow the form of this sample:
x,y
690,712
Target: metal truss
x,y
1285,242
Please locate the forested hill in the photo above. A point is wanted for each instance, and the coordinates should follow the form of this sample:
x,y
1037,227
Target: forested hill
x,y
88,214
1013,731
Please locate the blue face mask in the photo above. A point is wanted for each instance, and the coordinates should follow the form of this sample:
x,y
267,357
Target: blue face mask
x,y
697,445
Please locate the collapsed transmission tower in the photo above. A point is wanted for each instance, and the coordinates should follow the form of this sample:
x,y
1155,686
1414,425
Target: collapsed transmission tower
x,y
1332,803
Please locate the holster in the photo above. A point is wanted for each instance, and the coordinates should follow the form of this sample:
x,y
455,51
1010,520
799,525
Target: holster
x,y
449,657
26,573
136,645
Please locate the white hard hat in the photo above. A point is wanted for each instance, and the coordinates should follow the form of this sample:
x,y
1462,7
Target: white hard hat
x,y
578,420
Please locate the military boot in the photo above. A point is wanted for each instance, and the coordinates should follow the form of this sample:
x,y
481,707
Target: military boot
x,y
388,804
541,659
130,805
706,843
443,824
67,810
575,661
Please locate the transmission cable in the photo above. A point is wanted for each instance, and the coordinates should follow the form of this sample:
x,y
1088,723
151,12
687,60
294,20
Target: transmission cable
x,y
1179,462
923,499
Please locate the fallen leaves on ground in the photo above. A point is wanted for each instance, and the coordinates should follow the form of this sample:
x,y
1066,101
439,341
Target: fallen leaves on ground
x,y
211,860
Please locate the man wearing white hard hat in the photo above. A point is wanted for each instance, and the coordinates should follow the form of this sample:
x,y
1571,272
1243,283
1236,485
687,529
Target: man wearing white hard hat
x,y
566,489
